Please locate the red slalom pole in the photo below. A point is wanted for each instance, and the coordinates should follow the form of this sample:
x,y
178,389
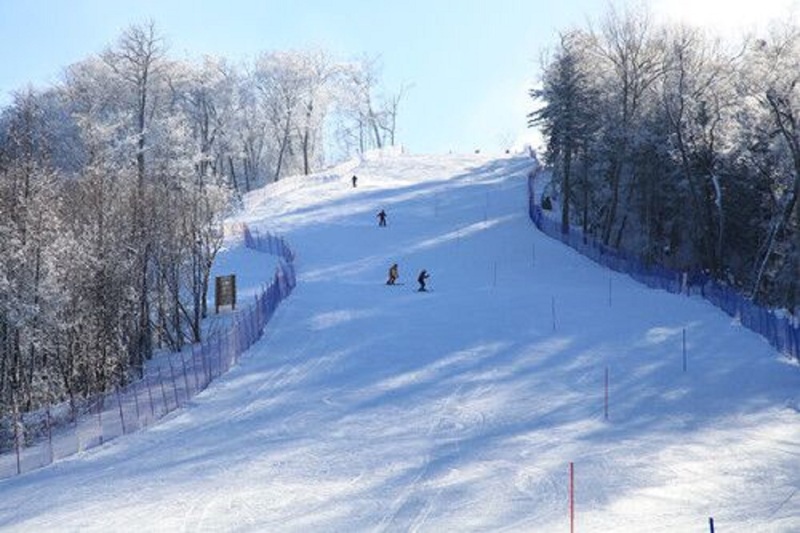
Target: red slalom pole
x,y
571,497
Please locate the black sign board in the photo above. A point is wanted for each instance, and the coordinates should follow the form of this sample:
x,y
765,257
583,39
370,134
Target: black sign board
x,y
225,293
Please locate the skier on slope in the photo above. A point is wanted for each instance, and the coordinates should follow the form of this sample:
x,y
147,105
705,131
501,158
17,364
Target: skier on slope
x,y
355,180
393,275
382,218
421,279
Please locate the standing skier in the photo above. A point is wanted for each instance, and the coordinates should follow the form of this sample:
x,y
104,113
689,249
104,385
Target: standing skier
x,y
393,275
421,279
382,218
355,180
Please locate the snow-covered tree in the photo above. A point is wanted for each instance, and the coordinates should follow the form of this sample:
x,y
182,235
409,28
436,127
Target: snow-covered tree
x,y
367,118
568,118
692,154
114,185
771,80
697,97
28,201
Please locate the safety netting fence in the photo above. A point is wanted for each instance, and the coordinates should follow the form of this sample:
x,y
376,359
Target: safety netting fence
x,y
35,439
778,328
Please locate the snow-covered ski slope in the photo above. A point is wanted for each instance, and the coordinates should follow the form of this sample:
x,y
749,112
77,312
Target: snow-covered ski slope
x,y
375,408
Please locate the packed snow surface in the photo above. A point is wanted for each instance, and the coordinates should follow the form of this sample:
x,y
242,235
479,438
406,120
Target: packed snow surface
x,y
375,408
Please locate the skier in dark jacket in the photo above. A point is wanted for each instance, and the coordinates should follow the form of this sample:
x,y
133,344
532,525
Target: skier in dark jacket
x,y
393,275
382,218
421,279
355,180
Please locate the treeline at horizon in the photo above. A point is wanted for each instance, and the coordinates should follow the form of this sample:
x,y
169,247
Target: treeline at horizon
x,y
678,146
114,184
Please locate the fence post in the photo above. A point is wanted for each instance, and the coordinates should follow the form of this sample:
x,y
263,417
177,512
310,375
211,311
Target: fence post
x,y
204,347
228,348
252,334
150,397
121,415
49,433
213,348
194,368
136,403
163,391
17,434
251,326
245,328
185,379
100,419
259,310
219,356
233,344
174,386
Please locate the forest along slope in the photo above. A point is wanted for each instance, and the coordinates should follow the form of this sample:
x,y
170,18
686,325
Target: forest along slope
x,y
374,408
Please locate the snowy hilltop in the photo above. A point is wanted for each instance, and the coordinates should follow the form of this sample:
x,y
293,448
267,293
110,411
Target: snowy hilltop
x,y
368,407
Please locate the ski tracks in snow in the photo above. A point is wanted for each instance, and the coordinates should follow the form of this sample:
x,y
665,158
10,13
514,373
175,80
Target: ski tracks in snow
x,y
227,500
412,507
202,514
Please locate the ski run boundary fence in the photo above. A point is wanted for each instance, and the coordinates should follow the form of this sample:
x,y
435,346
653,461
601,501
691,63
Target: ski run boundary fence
x,y
170,381
780,331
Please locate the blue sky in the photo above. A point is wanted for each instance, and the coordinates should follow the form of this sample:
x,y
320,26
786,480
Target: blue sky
x,y
469,63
